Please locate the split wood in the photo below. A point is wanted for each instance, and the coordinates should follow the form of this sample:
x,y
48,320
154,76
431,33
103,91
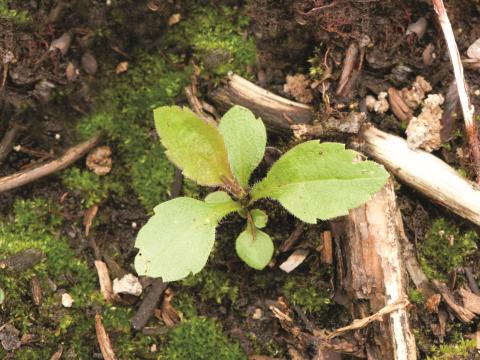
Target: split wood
x,y
27,176
467,107
423,171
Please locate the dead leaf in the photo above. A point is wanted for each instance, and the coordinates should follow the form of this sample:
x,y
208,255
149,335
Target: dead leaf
x,y
9,337
174,19
432,303
88,218
99,160
169,315
58,353
121,67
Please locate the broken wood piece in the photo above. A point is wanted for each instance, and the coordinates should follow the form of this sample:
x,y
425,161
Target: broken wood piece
x,y
293,238
36,289
371,272
294,260
275,110
27,176
470,300
148,305
461,312
104,340
326,253
104,280
424,172
419,169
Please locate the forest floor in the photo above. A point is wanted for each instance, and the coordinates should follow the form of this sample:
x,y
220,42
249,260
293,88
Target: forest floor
x,y
71,70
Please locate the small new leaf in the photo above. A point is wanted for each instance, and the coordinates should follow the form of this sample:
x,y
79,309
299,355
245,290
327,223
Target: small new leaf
x,y
179,237
245,139
320,181
254,247
193,145
260,218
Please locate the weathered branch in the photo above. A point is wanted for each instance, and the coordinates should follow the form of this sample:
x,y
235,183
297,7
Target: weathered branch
x,y
27,176
278,113
6,144
420,170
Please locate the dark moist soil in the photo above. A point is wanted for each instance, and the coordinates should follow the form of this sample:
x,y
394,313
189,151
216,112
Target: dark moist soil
x,y
292,37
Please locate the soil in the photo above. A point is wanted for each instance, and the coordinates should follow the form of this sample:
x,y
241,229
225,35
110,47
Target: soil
x,y
61,92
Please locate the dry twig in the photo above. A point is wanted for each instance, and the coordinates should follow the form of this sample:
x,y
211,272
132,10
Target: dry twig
x,y
361,323
467,107
104,340
27,176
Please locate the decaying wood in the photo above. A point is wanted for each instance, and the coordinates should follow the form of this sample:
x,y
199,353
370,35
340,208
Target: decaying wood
x,y
326,255
278,113
293,238
371,272
104,340
462,313
294,260
36,289
419,169
27,176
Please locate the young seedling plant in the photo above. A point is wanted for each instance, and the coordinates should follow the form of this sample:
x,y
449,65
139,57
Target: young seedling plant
x,y
312,181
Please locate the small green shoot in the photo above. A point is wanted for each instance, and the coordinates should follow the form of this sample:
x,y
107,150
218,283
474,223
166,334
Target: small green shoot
x,y
312,181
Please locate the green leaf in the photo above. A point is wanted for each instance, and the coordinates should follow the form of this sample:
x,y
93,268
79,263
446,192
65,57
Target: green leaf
x,y
320,181
193,145
217,197
245,138
179,237
260,218
254,247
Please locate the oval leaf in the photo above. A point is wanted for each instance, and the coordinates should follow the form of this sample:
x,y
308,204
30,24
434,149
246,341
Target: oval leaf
x,y
179,237
256,250
193,145
217,197
260,218
320,181
245,138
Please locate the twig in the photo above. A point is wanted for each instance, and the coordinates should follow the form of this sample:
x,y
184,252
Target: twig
x,y
27,176
293,238
361,323
104,340
104,280
467,107
145,311
6,144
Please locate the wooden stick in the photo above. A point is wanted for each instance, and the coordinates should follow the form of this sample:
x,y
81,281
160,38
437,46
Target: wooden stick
x,y
6,144
419,169
467,107
27,176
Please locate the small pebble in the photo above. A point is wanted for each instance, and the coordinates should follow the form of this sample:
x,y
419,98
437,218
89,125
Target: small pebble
x,y
67,300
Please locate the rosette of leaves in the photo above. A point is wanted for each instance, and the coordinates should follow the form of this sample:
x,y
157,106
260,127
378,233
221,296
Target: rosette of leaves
x,y
312,181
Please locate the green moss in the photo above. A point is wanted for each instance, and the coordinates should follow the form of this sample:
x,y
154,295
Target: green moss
x,y
185,304
20,17
36,224
307,292
464,349
200,338
217,35
445,248
213,284
92,188
416,296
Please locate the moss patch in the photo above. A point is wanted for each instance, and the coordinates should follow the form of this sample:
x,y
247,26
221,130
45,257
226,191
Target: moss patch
x,y
446,247
200,338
